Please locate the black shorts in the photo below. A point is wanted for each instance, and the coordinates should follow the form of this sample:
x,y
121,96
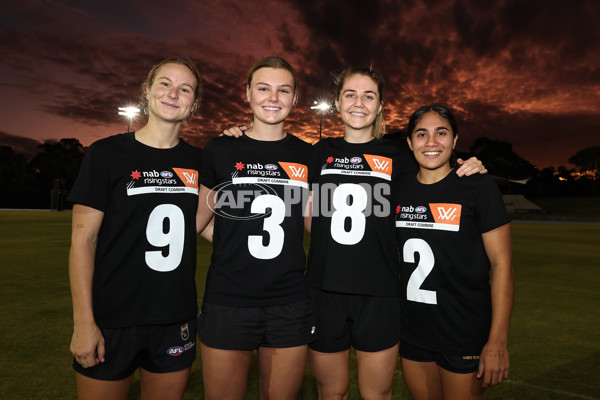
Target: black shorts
x,y
367,323
248,328
155,348
459,364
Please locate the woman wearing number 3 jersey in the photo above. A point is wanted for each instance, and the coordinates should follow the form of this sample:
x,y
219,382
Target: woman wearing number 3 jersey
x,y
451,233
256,296
133,251
353,260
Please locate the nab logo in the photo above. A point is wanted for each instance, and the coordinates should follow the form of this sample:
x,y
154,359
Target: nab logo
x,y
166,174
175,351
356,160
271,167
421,209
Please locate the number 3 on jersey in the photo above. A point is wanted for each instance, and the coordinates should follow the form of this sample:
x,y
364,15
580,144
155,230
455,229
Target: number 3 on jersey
x,y
424,268
271,224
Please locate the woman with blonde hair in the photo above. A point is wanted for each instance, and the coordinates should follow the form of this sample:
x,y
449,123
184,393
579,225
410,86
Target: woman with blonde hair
x,y
133,248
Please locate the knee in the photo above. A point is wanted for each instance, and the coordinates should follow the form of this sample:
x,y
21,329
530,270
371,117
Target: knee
x,y
370,394
332,393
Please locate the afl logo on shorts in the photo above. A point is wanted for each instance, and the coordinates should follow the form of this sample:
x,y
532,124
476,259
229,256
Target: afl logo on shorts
x,y
421,209
271,167
185,332
355,160
166,174
175,351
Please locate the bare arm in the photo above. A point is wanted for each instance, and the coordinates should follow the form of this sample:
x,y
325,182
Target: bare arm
x,y
206,206
87,343
207,233
308,212
493,363
470,167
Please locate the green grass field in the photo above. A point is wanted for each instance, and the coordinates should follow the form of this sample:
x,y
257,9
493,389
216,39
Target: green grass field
x,y
555,350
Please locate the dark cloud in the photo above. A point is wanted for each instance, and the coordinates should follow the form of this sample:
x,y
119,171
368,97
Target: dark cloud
x,y
21,145
523,71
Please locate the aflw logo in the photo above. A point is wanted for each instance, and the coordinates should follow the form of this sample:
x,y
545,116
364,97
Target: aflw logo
x,y
295,171
189,177
298,172
446,213
379,163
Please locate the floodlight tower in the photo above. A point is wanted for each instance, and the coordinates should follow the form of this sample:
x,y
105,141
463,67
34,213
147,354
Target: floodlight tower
x,y
323,106
130,113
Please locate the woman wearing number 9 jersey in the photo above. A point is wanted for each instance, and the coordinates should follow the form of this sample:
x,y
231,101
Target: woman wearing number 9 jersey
x,y
451,233
133,251
256,296
353,264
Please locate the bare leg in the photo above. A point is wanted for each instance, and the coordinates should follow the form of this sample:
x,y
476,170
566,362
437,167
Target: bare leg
x,y
331,373
225,373
164,386
281,371
95,389
376,373
423,379
461,386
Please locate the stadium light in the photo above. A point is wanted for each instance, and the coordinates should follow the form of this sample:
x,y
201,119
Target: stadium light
x,y
130,113
323,106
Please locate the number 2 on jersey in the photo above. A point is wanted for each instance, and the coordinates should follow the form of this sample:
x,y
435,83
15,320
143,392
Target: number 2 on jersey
x,y
424,268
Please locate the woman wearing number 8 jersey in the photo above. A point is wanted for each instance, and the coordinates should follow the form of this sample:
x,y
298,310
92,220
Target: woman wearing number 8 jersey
x,y
133,251
256,296
353,259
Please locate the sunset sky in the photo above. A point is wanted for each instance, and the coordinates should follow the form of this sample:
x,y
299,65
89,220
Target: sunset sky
x,y
523,71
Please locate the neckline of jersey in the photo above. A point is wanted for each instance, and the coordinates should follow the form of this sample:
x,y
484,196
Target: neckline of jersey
x,y
131,136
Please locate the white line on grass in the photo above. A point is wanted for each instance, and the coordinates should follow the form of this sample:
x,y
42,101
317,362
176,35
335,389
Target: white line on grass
x,y
561,392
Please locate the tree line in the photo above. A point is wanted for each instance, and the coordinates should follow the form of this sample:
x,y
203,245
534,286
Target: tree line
x,y
44,181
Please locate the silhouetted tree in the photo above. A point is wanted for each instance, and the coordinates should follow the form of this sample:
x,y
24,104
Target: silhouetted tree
x,y
59,160
16,179
499,159
587,159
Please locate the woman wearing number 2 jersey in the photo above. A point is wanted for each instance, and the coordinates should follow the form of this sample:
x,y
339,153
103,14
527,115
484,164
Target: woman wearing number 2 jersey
x,y
353,260
133,252
256,296
451,233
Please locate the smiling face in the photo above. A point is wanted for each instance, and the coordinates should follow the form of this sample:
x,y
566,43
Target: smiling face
x,y
171,95
358,103
271,95
432,141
